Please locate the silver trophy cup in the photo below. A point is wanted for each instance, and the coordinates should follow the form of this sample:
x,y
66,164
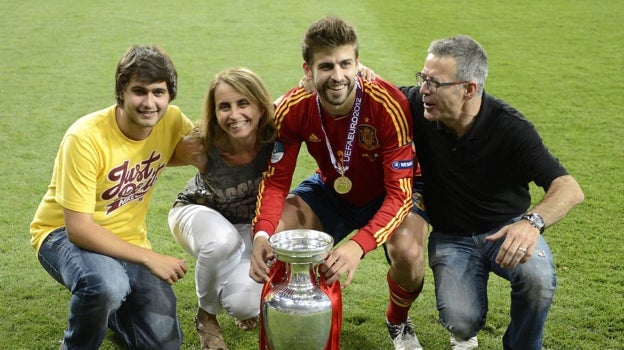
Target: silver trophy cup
x,y
297,313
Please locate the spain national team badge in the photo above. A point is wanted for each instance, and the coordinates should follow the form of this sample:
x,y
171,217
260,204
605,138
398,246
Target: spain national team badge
x,y
368,137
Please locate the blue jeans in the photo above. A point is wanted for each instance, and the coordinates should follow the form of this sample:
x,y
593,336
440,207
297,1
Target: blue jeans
x,y
461,267
107,292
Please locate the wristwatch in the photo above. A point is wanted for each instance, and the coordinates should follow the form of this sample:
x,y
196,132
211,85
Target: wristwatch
x,y
536,221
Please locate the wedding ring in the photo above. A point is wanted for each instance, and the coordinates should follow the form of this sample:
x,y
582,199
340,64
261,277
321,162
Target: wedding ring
x,y
523,250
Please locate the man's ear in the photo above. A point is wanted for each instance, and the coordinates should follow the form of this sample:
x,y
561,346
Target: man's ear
x,y
471,90
307,70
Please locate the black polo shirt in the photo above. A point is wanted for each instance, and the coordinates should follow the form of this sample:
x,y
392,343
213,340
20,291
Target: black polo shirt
x,y
481,180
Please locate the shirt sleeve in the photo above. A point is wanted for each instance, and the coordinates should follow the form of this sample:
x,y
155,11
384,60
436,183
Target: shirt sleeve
x,y
276,180
539,164
77,174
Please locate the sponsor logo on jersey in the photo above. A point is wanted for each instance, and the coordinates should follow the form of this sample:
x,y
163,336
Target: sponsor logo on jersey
x,y
402,164
278,152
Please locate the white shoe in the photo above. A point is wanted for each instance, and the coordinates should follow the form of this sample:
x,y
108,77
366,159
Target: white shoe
x,y
403,336
469,344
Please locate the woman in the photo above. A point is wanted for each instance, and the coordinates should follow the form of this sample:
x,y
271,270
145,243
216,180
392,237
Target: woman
x,y
211,218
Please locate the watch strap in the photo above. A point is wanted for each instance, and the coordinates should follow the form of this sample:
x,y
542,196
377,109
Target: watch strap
x,y
536,221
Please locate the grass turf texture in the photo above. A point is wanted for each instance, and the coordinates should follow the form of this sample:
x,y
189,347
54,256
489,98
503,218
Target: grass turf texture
x,y
559,62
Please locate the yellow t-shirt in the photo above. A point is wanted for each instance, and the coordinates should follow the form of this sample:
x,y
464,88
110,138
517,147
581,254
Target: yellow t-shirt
x,y
98,170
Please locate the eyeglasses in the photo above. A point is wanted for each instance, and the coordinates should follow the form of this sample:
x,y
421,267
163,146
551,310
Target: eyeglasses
x,y
433,85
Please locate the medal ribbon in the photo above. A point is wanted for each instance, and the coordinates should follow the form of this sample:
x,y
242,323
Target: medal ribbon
x,y
355,117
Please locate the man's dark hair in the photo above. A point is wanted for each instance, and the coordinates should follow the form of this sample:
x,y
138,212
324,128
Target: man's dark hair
x,y
148,64
328,32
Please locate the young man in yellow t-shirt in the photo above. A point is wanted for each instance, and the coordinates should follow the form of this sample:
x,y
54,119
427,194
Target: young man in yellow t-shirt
x,y
89,230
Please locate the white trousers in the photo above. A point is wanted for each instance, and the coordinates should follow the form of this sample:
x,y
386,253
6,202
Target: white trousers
x,y
222,250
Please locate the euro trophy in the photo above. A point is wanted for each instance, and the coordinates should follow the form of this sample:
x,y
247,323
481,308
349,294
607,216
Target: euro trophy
x,y
296,312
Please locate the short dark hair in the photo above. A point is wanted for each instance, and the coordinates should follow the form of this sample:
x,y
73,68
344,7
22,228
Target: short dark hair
x,y
148,64
328,32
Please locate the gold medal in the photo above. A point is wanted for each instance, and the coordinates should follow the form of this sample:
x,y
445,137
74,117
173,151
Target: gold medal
x,y
342,184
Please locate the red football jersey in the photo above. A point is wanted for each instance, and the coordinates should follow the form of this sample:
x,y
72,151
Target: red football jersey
x,y
380,156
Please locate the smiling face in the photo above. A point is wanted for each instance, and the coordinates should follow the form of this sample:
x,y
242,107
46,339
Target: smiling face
x,y
237,116
141,108
333,71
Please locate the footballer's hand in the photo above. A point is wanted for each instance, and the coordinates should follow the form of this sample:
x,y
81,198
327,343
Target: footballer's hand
x,y
343,260
260,257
